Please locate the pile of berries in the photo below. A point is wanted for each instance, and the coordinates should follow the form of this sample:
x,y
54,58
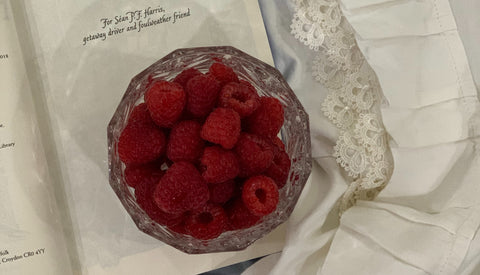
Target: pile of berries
x,y
202,152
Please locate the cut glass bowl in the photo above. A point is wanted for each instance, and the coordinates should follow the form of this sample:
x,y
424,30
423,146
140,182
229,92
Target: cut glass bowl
x,y
295,134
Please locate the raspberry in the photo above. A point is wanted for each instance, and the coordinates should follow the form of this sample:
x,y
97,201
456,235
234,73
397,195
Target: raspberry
x,y
239,216
267,120
144,197
183,77
222,127
219,165
141,118
240,98
140,142
207,223
185,142
255,154
279,169
279,143
179,228
223,73
181,189
248,85
149,173
260,195
202,91
222,192
165,102
140,114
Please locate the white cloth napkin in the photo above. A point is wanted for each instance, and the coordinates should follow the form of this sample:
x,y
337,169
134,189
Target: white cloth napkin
x,y
428,215
427,219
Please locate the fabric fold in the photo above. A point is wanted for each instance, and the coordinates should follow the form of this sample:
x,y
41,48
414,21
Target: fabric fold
x,y
417,71
420,171
422,68
428,214
353,253
426,220
444,122
374,19
420,242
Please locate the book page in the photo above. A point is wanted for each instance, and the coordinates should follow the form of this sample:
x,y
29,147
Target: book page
x,y
31,237
86,53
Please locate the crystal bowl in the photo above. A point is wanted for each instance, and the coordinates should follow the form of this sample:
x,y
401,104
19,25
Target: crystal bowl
x,y
295,134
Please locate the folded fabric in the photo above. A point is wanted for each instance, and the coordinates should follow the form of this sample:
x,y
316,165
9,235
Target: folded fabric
x,y
443,122
416,71
394,239
427,218
468,22
375,19
419,172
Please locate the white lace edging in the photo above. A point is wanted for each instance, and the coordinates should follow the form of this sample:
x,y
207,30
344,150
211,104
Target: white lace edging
x,y
353,100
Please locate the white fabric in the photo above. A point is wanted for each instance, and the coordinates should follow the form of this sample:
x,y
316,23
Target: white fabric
x,y
428,125
428,214
376,19
468,22
431,80
427,218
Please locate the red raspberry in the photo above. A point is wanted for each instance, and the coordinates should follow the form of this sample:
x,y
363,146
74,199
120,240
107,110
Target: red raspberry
x,y
267,120
181,189
219,165
141,142
179,228
202,91
239,216
222,192
140,114
206,223
185,142
222,127
149,172
279,143
240,98
223,73
165,102
279,169
260,195
183,77
144,197
248,85
255,154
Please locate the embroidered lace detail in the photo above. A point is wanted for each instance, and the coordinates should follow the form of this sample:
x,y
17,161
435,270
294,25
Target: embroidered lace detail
x,y
353,102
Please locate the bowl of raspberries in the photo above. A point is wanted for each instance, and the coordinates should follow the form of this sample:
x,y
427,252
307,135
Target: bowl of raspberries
x,y
209,149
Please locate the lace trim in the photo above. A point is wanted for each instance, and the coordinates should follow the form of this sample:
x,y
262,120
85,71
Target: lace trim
x,y
353,100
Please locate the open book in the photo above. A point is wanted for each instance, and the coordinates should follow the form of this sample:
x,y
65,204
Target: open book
x,y
64,66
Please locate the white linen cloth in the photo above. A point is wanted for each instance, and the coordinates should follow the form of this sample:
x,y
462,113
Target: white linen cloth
x,y
426,220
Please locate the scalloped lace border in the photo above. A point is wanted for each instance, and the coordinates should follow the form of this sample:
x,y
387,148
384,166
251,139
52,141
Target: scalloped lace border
x,y
353,102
